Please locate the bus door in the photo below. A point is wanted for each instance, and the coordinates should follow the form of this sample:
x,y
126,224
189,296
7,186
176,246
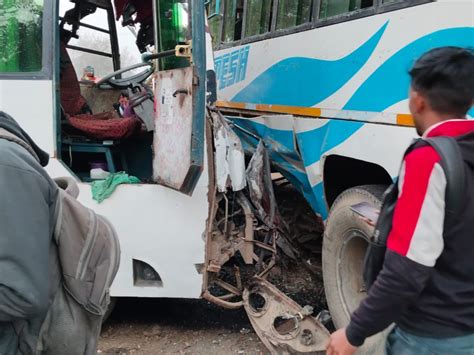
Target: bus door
x,y
179,88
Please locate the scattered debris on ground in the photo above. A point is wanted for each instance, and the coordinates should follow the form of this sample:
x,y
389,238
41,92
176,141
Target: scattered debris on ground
x,y
172,326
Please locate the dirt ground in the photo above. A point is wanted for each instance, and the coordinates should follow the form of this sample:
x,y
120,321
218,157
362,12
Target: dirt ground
x,y
169,326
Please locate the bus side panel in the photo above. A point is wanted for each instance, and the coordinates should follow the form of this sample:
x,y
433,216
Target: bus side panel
x,y
158,226
30,103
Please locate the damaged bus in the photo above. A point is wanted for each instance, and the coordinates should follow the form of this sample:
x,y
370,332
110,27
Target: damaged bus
x,y
323,86
245,156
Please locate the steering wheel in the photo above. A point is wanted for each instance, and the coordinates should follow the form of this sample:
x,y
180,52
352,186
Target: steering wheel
x,y
109,81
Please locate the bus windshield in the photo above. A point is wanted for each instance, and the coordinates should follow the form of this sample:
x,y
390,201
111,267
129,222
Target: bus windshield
x,y
21,36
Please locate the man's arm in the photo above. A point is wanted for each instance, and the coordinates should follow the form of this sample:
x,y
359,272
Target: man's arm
x,y
414,244
25,237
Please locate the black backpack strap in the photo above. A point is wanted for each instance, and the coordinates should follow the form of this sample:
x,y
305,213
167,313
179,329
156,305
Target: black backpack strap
x,y
452,163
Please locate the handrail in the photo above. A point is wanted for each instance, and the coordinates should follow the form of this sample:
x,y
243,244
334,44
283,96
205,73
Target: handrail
x,y
146,57
87,50
90,26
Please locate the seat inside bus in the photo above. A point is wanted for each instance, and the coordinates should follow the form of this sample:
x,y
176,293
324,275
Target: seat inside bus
x,y
78,112
94,131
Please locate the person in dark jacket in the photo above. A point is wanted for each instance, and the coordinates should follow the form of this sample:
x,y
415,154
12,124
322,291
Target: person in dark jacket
x,y
426,286
29,271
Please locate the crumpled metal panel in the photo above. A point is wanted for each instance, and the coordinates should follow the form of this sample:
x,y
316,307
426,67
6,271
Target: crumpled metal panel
x,y
283,326
229,156
225,243
261,187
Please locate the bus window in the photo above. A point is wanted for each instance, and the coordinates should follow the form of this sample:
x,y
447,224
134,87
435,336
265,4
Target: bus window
x,y
174,19
330,8
233,13
92,40
212,8
258,17
293,13
21,36
215,20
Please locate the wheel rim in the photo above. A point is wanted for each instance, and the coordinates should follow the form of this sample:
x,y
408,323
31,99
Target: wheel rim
x,y
350,269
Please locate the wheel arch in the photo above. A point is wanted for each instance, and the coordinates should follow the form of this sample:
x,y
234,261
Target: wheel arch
x,y
341,173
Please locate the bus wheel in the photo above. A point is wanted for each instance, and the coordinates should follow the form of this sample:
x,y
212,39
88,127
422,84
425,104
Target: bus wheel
x,y
344,245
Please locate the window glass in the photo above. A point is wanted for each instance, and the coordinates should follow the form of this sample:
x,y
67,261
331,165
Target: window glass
x,y
174,29
21,35
82,60
330,8
293,13
215,27
233,11
258,17
214,19
213,7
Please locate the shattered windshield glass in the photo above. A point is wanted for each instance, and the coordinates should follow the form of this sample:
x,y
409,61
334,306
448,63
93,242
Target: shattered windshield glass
x,y
21,35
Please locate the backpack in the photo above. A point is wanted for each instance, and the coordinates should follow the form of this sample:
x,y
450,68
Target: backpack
x,y
453,166
89,255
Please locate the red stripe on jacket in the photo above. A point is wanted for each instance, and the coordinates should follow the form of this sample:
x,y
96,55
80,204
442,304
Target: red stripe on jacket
x,y
418,167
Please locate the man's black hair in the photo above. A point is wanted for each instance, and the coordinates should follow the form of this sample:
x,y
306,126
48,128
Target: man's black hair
x,y
445,76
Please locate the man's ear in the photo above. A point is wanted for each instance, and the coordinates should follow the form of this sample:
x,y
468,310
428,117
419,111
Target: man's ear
x,y
419,103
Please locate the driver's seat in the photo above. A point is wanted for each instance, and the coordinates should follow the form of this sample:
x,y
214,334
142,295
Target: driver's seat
x,y
105,125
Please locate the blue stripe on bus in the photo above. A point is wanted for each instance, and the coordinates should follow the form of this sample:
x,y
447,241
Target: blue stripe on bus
x,y
282,83
389,84
269,135
313,144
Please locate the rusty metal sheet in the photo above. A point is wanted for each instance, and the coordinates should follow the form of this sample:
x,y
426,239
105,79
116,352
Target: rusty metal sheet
x,y
225,239
173,126
283,326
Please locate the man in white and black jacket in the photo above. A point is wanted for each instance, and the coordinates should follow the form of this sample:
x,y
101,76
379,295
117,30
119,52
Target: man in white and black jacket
x,y
426,286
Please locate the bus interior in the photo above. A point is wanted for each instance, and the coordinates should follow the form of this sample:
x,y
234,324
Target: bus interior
x,y
107,120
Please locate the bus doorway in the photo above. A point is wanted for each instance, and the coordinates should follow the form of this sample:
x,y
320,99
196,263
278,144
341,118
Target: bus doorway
x,y
108,117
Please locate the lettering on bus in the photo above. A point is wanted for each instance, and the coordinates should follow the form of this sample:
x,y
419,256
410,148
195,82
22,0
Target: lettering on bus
x,y
231,68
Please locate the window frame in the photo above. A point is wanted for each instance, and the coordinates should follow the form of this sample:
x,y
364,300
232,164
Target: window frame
x,y
244,24
216,9
311,16
222,25
378,8
50,11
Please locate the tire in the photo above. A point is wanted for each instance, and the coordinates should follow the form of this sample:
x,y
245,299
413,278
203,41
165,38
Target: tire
x,y
344,245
